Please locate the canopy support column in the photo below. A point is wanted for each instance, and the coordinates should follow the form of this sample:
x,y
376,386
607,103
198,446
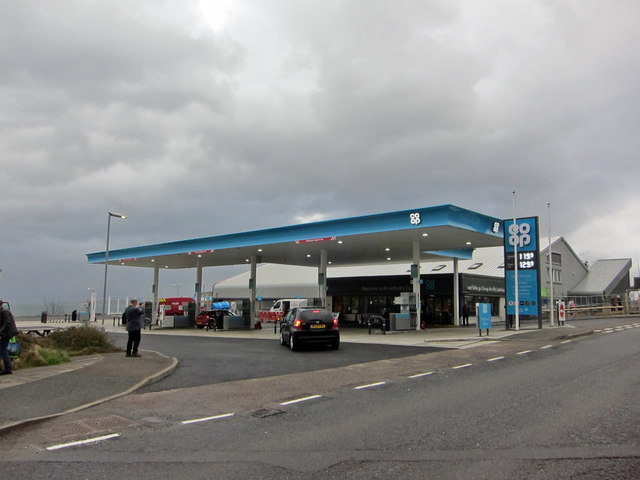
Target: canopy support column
x,y
198,288
322,278
154,291
456,293
416,282
252,288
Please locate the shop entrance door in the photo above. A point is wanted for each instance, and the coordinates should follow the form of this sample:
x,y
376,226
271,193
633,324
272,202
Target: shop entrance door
x,y
438,311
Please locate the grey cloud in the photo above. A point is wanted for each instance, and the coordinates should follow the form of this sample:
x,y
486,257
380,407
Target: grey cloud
x,y
304,109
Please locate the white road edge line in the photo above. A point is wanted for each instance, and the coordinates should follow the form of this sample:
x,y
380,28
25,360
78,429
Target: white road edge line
x,y
495,359
461,366
545,347
567,341
369,386
206,419
524,352
83,442
418,375
298,400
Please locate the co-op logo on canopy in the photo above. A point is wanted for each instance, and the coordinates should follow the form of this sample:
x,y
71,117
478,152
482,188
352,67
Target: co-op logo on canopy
x,y
519,235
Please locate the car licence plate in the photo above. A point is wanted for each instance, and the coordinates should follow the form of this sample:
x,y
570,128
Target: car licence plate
x,y
318,326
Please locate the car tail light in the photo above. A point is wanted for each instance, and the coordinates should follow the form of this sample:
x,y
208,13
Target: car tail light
x,y
297,324
335,323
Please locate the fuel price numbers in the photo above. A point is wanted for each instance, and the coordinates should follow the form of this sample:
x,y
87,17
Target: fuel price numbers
x,y
527,261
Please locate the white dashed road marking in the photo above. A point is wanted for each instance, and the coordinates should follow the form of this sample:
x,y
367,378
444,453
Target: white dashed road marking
x,y
206,419
545,347
369,386
418,375
83,442
524,352
495,359
461,366
304,399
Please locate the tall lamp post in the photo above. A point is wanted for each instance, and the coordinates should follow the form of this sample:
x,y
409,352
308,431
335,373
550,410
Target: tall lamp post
x,y
106,263
551,309
515,266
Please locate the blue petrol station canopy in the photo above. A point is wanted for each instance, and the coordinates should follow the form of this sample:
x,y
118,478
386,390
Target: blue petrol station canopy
x,y
442,232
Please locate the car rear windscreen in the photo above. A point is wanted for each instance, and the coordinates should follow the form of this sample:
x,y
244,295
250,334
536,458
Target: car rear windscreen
x,y
321,315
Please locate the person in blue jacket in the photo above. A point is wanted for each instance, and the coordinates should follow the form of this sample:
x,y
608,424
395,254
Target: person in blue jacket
x,y
134,316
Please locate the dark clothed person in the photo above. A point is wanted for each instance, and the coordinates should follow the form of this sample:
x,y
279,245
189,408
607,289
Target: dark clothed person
x,y
465,314
8,330
134,316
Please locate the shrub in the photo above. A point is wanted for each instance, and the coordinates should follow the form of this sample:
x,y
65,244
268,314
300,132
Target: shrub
x,y
59,346
83,340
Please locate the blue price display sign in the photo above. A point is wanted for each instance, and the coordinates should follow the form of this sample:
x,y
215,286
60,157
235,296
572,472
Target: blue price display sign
x,y
522,236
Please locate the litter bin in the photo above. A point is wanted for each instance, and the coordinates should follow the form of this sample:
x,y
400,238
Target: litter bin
x,y
43,317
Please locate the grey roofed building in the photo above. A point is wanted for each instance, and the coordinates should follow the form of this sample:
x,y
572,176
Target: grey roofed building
x,y
605,277
569,269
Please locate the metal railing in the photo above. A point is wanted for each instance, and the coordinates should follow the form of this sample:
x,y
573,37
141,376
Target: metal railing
x,y
603,305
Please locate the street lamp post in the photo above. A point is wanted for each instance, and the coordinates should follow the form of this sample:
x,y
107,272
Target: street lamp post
x,y
177,285
106,263
551,309
515,267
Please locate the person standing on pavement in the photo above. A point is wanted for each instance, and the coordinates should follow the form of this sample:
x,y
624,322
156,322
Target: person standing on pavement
x,y
134,316
465,314
8,330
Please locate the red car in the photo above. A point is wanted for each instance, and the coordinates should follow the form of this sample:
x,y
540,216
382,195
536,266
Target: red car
x,y
212,319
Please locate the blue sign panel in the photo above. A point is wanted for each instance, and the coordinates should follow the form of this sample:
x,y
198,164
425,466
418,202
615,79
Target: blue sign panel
x,y
527,292
522,237
484,316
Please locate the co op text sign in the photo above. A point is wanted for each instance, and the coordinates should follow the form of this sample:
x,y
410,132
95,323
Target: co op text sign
x,y
523,237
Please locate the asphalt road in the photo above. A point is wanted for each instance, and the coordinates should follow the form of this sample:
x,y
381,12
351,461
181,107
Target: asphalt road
x,y
530,410
206,360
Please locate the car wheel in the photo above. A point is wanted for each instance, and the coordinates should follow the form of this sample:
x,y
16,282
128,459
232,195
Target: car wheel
x,y
282,341
335,344
293,345
200,326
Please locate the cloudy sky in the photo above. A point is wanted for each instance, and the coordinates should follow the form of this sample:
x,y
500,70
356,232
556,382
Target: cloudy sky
x,y
199,118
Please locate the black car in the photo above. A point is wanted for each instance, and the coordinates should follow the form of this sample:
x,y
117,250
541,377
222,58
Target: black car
x,y
304,325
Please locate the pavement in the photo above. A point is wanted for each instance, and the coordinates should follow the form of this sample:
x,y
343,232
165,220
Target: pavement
x,y
36,394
